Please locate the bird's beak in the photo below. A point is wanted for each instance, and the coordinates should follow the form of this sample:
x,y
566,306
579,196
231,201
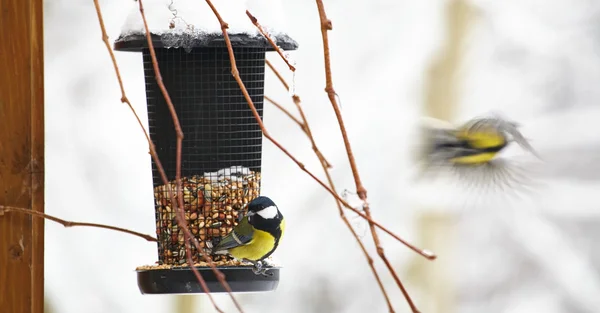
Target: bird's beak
x,y
250,213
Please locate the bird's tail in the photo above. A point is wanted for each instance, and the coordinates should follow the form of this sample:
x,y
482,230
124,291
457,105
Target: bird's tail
x,y
211,247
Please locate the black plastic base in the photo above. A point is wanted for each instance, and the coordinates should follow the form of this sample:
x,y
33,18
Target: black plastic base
x,y
183,280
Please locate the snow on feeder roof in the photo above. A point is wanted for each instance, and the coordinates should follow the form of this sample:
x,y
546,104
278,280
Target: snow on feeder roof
x,y
222,146
191,23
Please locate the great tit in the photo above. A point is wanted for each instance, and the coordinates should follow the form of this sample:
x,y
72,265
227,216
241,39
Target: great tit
x,y
481,139
473,147
256,236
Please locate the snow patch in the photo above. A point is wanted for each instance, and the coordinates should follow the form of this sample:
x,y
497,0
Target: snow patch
x,y
195,18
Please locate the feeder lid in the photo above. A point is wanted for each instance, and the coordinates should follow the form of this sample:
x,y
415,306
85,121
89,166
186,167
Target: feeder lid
x,y
137,42
192,24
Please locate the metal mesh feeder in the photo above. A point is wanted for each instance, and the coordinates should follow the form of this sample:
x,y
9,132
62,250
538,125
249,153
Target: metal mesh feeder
x,y
221,153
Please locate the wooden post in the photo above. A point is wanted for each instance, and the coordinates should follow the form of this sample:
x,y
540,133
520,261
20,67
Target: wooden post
x,y
21,155
185,304
436,225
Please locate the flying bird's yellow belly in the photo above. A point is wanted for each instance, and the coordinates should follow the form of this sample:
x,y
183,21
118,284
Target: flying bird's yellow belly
x,y
261,244
478,158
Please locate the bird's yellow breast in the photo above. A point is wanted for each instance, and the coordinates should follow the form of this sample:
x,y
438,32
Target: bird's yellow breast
x,y
478,158
482,139
261,244
489,141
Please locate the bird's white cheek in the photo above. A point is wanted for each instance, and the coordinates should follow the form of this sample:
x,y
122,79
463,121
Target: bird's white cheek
x,y
268,213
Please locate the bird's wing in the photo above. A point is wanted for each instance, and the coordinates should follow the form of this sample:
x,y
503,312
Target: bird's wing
x,y
241,235
521,140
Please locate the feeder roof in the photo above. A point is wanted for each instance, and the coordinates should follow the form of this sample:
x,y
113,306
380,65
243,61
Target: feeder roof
x,y
192,23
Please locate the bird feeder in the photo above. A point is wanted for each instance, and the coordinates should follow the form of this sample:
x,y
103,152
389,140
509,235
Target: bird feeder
x,y
221,153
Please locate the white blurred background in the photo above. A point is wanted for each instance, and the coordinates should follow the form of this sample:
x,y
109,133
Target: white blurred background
x,y
537,62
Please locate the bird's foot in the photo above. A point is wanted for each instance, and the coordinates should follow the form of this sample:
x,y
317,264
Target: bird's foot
x,y
261,268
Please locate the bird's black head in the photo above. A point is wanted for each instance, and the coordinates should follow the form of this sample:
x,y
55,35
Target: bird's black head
x,y
263,214
260,203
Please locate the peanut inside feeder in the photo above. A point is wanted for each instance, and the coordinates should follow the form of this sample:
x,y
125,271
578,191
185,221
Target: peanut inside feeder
x,y
213,204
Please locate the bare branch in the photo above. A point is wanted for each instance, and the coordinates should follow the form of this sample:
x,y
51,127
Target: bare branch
x,y
178,208
286,112
235,73
326,25
262,31
326,166
287,87
6,209
124,98
304,123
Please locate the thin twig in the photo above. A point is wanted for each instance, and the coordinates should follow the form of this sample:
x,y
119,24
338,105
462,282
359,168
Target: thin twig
x,y
154,155
150,143
297,102
325,26
305,126
268,37
304,123
360,189
124,98
179,208
6,209
326,167
278,75
360,243
284,110
191,264
234,71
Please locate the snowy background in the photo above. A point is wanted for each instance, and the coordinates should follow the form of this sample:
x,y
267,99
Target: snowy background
x,y
537,62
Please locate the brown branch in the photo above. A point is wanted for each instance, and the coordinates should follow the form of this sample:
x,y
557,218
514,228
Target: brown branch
x,y
196,273
235,73
268,37
6,209
306,128
297,102
360,242
179,206
360,189
171,107
124,98
304,123
287,87
326,167
303,126
423,252
154,155
325,26
280,107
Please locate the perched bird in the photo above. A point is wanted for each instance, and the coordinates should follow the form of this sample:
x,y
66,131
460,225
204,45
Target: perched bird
x,y
473,148
256,236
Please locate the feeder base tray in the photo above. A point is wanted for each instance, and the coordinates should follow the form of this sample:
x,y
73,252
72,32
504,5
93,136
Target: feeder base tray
x,y
181,280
